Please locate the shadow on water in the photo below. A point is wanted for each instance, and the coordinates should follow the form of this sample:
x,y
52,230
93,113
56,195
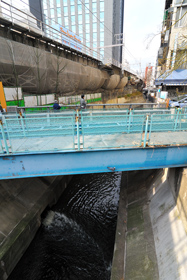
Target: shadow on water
x,y
77,235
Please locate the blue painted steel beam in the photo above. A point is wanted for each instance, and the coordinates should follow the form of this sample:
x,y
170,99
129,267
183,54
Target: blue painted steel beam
x,y
68,163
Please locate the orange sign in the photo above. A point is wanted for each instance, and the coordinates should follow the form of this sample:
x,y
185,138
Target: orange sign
x,y
69,35
2,97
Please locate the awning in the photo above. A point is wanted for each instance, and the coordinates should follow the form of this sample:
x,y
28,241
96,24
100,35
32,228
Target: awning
x,y
175,78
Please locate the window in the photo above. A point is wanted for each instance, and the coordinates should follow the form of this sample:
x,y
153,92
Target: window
x,y
73,28
65,11
181,17
94,26
52,13
65,2
53,22
44,5
94,17
66,22
45,12
72,10
94,7
87,37
101,27
87,18
58,3
72,2
87,27
102,6
101,36
102,16
87,1
51,3
87,7
72,20
94,36
102,53
79,9
80,19
58,12
101,44
80,28
59,20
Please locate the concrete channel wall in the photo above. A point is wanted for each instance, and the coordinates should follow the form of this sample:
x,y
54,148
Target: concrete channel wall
x,y
151,234
22,202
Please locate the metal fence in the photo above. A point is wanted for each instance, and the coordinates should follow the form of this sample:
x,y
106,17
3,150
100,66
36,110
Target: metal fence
x,y
85,130
26,21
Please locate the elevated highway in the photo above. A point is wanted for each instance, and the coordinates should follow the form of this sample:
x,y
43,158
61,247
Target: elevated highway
x,y
41,64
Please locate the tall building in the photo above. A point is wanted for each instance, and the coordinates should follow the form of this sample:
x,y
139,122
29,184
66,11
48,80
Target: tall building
x,y
92,24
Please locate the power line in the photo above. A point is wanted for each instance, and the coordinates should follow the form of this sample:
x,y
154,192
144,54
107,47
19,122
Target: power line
x,y
53,20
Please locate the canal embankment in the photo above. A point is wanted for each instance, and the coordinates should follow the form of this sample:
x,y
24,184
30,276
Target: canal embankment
x,y
22,202
151,234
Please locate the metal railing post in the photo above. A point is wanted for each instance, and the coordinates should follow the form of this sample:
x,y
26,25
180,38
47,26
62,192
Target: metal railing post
x,y
4,137
180,116
176,120
130,115
22,123
78,132
150,128
48,118
146,130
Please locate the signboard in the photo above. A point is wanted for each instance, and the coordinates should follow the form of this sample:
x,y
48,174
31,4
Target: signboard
x,y
69,38
163,94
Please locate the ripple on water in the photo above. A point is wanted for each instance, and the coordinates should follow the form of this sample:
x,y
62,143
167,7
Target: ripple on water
x,y
76,239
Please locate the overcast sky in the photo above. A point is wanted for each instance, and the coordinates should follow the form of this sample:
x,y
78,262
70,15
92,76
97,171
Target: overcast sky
x,y
142,18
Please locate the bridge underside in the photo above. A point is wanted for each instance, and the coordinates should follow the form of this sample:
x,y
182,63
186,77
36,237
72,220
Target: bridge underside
x,y
98,161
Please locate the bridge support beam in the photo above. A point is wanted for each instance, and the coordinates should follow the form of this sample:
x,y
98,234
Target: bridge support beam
x,y
97,161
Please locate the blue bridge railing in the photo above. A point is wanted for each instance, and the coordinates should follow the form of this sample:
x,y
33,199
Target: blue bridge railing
x,y
89,130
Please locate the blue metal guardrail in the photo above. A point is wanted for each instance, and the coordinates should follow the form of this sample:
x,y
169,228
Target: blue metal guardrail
x,y
89,130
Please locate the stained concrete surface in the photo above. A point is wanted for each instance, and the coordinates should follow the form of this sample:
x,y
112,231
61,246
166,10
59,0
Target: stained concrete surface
x,y
22,202
151,241
169,233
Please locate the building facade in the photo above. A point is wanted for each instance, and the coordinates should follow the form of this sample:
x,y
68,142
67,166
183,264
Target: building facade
x,y
172,52
96,24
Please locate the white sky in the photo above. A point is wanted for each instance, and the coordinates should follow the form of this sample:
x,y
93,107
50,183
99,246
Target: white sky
x,y
142,18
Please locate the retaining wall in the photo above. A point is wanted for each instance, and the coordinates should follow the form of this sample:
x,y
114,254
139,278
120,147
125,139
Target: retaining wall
x,y
22,202
151,234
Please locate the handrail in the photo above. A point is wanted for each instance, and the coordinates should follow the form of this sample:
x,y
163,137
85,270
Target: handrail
x,y
31,27
91,105
92,131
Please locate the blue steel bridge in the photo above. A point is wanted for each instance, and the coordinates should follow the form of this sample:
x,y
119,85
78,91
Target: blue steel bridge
x,y
91,141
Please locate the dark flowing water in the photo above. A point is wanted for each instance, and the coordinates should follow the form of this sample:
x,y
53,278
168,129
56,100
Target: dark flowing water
x,y
76,239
